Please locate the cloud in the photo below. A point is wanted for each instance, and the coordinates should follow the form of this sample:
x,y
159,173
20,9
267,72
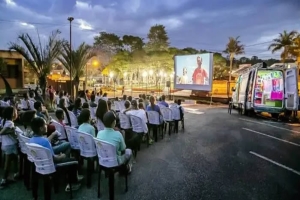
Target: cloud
x,y
26,25
189,23
12,6
84,25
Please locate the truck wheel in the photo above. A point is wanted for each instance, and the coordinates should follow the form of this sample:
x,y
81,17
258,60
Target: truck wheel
x,y
275,115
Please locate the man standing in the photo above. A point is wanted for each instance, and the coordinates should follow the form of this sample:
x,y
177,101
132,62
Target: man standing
x,y
200,76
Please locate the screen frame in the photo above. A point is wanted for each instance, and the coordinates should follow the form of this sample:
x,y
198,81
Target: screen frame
x,y
194,86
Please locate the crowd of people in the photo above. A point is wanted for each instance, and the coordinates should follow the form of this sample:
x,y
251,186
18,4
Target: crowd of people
x,y
105,125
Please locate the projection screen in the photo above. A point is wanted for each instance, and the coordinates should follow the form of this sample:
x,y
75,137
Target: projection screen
x,y
194,72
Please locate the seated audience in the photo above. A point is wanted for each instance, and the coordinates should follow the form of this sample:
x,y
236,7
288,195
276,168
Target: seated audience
x,y
39,111
127,106
92,103
32,96
65,111
115,138
141,106
163,101
59,114
85,119
39,127
26,119
9,145
85,105
77,107
104,97
154,107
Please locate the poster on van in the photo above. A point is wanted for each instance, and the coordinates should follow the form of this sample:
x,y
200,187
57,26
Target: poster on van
x,y
269,88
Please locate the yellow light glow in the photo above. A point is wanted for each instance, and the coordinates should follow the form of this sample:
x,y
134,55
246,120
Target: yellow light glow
x,y
95,63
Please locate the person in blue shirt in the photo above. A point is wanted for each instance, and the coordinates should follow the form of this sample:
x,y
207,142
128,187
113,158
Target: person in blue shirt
x,y
110,135
154,107
39,110
85,118
163,101
39,128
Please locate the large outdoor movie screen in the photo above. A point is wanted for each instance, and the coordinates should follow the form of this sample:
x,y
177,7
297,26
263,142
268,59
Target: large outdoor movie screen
x,y
194,72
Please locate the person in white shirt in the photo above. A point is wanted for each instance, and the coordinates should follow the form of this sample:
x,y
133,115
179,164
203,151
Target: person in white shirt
x,y
127,106
9,144
31,96
104,97
135,111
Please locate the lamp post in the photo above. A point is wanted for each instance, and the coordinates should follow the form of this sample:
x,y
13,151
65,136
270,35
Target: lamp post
x,y
70,19
159,80
145,74
111,75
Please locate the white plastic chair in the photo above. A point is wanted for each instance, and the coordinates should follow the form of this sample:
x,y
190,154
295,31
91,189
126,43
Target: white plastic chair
x,y
31,105
108,161
93,112
88,151
4,104
168,117
117,106
175,112
86,145
154,120
124,121
24,104
60,128
176,116
139,126
42,158
27,163
72,137
107,153
99,124
73,118
44,165
121,105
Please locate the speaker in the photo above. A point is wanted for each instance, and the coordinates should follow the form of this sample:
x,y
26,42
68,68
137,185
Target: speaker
x,y
168,83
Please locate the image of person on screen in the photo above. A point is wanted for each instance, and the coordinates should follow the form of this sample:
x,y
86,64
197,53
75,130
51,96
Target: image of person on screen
x,y
184,78
200,76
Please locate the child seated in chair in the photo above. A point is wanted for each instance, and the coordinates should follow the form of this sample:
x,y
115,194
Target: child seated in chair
x,y
39,128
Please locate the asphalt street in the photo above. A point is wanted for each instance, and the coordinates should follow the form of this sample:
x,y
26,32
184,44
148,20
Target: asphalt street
x,y
217,157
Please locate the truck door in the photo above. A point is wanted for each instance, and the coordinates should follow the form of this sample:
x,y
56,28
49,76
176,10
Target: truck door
x,y
291,89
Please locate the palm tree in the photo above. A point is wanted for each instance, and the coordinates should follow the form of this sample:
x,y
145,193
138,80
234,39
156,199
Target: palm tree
x,y
295,48
2,64
283,42
80,57
233,48
39,58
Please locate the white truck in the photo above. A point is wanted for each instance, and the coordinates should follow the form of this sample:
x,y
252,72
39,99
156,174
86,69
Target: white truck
x,y
271,89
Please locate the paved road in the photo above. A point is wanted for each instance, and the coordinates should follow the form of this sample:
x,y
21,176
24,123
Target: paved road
x,y
218,157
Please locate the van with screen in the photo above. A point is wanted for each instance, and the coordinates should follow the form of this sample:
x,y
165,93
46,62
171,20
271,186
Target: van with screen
x,y
271,89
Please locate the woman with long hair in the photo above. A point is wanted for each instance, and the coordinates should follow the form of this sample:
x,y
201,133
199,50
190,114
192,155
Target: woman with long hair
x,y
61,105
153,107
77,107
101,110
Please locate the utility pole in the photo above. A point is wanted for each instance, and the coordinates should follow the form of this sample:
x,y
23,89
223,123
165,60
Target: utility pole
x,y
70,19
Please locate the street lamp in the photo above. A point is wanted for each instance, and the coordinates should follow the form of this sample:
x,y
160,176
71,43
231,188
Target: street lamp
x,y
125,77
111,75
150,74
145,74
70,19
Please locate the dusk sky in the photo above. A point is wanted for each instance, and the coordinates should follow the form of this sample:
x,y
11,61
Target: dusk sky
x,y
201,24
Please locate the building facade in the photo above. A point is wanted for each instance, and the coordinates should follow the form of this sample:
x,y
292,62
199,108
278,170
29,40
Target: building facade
x,y
13,70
